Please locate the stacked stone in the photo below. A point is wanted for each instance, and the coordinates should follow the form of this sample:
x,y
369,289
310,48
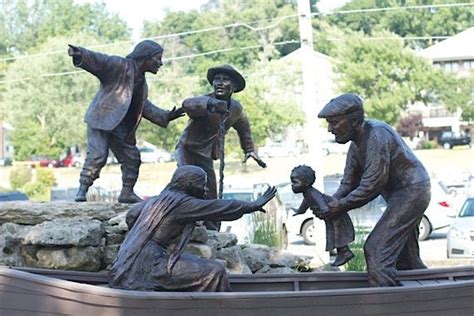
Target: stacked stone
x,y
87,236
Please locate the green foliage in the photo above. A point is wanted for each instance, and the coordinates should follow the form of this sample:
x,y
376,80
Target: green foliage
x,y
268,101
455,93
36,191
45,177
226,12
390,77
406,23
428,144
26,24
268,227
265,232
358,262
52,107
20,176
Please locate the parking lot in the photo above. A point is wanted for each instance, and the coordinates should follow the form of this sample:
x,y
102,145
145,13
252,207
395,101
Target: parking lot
x,y
432,250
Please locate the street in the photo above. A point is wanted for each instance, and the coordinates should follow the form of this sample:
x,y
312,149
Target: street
x,y
432,250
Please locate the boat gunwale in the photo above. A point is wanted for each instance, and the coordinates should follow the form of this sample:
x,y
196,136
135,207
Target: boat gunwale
x,y
70,286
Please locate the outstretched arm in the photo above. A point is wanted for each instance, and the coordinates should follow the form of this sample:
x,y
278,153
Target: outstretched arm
x,y
102,66
194,209
159,116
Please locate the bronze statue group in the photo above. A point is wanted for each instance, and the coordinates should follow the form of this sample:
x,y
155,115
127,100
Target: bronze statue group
x,y
151,256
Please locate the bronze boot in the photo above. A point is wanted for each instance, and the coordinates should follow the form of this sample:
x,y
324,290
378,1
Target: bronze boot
x,y
128,196
344,254
81,193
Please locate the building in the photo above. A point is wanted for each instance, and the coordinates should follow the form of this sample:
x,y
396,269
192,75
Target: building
x,y
6,150
456,55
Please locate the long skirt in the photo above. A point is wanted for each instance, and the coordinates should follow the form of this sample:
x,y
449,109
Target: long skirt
x,y
190,273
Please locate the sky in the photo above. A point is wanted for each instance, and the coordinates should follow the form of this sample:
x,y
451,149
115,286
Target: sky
x,y
136,11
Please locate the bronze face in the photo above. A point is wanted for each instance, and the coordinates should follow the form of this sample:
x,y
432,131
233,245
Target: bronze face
x,y
298,185
223,86
198,188
341,127
154,63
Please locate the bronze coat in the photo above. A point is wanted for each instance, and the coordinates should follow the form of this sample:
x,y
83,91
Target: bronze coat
x,y
113,100
200,134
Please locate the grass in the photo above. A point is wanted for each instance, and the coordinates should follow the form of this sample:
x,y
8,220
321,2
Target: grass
x,y
358,262
153,177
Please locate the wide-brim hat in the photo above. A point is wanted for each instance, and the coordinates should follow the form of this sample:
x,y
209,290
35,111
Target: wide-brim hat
x,y
237,78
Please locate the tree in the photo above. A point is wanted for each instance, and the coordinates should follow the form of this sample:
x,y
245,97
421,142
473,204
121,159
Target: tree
x,y
268,100
262,31
391,77
46,111
28,24
426,22
410,125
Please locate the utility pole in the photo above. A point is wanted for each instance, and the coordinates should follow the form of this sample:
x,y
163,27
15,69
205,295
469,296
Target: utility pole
x,y
311,107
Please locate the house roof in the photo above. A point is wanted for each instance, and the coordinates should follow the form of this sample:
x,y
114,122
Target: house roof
x,y
458,47
297,54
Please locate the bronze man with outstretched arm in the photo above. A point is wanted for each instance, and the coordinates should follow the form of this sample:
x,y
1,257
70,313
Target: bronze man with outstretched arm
x,y
116,111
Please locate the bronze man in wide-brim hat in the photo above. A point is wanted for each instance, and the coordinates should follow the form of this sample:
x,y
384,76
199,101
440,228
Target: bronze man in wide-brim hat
x,y
379,163
210,117
116,111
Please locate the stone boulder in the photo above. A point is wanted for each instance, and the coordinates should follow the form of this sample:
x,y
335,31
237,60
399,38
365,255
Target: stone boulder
x,y
75,258
11,239
31,213
66,232
220,240
235,261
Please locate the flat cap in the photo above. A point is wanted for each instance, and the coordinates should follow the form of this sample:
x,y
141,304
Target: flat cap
x,y
237,78
343,104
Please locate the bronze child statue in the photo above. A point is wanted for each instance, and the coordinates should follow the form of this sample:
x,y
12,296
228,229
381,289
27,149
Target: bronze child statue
x,y
116,111
339,231
147,261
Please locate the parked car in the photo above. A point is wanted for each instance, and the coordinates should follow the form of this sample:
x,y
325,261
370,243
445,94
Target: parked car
x,y
50,163
450,139
13,196
460,237
244,227
150,154
439,213
77,161
278,149
330,147
364,218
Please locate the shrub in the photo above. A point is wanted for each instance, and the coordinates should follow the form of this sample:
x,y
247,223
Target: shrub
x,y
358,262
19,177
45,177
37,191
268,228
428,144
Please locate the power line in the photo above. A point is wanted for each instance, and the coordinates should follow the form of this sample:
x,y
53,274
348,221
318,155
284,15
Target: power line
x,y
225,50
248,25
415,7
167,60
213,28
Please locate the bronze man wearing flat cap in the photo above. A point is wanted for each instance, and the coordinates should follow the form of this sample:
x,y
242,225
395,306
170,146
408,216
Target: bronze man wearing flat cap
x,y
210,117
379,163
116,111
